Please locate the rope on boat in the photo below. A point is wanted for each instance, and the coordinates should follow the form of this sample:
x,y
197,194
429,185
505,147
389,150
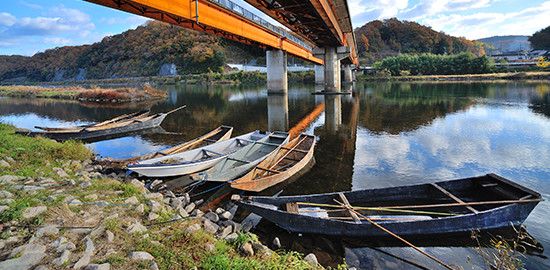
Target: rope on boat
x,y
202,181
379,209
208,190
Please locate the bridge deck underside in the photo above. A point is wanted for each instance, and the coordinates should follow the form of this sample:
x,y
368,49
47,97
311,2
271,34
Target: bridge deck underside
x,y
213,19
325,23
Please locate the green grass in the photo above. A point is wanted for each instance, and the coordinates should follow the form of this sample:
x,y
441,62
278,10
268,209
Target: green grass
x,y
180,251
31,154
127,189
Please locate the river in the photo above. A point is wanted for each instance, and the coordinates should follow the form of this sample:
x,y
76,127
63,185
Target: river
x,y
383,135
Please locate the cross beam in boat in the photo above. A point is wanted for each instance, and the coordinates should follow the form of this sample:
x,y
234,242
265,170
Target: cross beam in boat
x,y
348,206
453,197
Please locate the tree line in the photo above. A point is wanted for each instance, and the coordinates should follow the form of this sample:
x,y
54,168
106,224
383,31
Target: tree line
x,y
432,64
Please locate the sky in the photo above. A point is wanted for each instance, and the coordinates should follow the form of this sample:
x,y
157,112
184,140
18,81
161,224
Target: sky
x,y
31,26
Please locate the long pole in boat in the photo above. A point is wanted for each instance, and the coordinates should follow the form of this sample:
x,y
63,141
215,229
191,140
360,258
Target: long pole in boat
x,y
350,208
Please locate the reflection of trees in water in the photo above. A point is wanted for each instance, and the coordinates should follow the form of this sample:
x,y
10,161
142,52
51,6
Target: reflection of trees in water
x,y
540,103
396,108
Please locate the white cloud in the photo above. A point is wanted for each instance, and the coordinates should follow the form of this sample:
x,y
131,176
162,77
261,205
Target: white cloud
x,y
31,5
7,19
479,25
57,26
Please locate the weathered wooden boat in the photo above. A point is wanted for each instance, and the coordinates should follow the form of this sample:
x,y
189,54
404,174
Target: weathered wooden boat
x,y
195,160
462,205
120,124
243,160
290,160
219,134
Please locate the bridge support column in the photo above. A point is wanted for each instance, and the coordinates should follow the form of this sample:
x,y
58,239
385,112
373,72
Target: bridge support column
x,y
319,74
277,81
332,57
348,76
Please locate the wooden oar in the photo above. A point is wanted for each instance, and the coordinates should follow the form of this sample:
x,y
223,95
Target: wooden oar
x,y
176,109
462,204
350,208
381,209
382,219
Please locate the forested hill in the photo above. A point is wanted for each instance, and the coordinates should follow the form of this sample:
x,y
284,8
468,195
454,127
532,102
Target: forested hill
x,y
377,40
139,52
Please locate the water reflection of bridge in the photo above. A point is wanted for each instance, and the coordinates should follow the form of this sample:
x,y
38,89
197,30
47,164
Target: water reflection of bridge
x,y
335,149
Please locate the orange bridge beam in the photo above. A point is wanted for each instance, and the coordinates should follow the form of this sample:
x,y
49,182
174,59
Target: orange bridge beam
x,y
210,18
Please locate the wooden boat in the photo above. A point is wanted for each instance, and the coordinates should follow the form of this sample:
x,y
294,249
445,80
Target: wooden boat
x,y
219,134
243,160
288,161
121,124
195,160
462,205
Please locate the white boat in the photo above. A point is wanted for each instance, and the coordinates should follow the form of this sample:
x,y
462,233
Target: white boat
x,y
195,160
243,160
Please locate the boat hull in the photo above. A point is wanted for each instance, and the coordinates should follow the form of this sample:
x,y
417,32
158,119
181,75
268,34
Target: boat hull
x,y
219,134
193,161
231,167
488,217
252,182
91,135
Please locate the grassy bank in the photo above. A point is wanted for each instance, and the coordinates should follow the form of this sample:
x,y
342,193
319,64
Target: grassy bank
x,y
96,94
386,76
82,206
212,78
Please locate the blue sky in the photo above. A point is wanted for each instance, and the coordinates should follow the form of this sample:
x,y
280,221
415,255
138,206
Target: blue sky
x,y
31,26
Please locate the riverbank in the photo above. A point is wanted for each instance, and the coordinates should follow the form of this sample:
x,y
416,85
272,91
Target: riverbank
x,y
470,77
211,78
94,94
58,209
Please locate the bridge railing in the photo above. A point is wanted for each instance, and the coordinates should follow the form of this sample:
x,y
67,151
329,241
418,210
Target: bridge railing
x,y
238,9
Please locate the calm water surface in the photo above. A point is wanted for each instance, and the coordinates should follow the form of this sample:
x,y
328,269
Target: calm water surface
x,y
385,134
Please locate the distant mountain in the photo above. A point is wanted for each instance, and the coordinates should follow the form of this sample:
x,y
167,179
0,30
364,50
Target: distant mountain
x,y
504,44
377,40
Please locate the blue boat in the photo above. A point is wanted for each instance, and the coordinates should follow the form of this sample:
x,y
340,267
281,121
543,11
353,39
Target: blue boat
x,y
461,205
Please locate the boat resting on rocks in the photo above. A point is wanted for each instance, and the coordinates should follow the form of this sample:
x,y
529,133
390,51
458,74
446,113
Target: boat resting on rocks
x,y
291,160
462,205
243,160
219,134
120,124
195,160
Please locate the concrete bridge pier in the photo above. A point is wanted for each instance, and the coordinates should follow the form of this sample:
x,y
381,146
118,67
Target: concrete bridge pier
x,y
277,81
319,75
332,57
348,74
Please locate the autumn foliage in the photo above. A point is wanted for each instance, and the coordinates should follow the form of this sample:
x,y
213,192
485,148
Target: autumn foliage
x,y
134,53
377,40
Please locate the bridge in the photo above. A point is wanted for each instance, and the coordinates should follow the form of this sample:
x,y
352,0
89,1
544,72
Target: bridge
x,y
321,31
